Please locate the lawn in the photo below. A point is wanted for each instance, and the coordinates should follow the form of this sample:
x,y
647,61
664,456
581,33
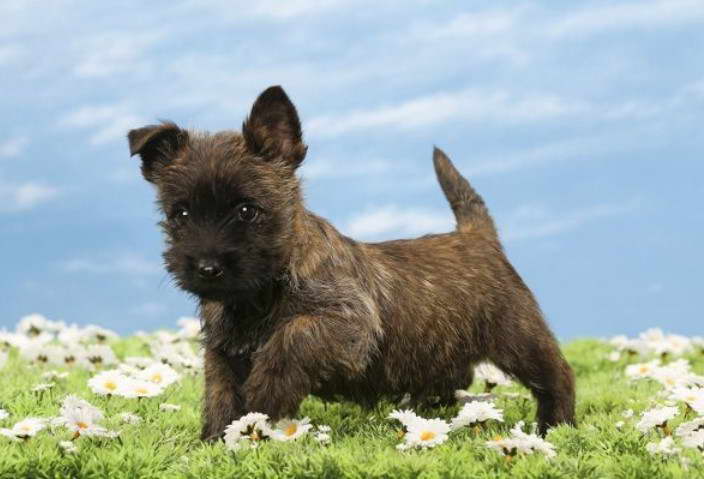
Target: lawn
x,y
362,442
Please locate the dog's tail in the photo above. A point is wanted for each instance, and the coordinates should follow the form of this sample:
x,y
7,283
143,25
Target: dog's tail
x,y
469,208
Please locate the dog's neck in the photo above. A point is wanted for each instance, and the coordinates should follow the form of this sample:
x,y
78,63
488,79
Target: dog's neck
x,y
315,242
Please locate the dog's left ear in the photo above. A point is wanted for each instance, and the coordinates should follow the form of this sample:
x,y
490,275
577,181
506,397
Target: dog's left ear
x,y
156,145
273,130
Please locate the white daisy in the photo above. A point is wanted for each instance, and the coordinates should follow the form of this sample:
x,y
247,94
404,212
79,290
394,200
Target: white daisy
x,y
25,428
190,327
675,374
656,417
687,395
698,406
68,447
128,370
129,418
476,412
322,434
425,433
139,362
161,374
180,354
665,447
165,337
463,396
165,407
35,324
642,370
322,437
291,429
614,356
4,414
251,427
100,355
694,440
39,388
491,375
529,443
81,421
97,333
50,375
689,427
74,402
41,354
108,383
136,388
405,417
619,425
508,446
70,335
74,355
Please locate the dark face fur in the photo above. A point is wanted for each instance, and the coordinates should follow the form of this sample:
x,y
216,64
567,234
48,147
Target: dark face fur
x,y
229,199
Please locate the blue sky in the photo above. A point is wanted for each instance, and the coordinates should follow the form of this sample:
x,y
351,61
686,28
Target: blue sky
x,y
579,122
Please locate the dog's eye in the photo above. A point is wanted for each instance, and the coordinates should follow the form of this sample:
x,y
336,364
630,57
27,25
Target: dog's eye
x,y
247,212
179,215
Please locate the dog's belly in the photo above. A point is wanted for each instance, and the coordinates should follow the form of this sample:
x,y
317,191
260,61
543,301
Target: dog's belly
x,y
400,367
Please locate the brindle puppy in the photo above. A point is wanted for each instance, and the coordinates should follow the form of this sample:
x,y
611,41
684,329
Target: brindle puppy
x,y
291,307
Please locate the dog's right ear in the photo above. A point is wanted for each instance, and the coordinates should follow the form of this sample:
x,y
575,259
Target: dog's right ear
x,y
156,145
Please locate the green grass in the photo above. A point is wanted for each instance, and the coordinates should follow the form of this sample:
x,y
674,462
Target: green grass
x,y
363,441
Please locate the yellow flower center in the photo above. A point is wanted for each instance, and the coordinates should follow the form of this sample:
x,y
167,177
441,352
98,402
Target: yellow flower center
x,y
141,391
25,428
291,430
427,435
156,378
110,385
643,369
82,425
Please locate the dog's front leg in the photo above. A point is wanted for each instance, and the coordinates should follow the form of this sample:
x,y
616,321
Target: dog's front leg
x,y
223,402
302,354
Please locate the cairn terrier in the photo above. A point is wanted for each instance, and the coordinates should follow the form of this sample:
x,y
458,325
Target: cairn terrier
x,y
291,307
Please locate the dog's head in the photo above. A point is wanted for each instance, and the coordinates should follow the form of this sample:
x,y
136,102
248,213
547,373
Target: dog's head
x,y
229,199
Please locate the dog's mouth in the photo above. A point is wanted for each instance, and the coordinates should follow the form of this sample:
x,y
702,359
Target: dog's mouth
x,y
222,291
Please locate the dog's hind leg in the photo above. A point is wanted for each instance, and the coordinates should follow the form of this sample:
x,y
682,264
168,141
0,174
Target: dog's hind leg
x,y
532,355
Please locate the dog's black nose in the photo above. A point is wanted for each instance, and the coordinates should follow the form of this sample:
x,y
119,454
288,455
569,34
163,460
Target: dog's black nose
x,y
209,269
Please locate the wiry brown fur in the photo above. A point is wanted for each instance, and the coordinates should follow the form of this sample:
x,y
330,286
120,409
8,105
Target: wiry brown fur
x,y
302,309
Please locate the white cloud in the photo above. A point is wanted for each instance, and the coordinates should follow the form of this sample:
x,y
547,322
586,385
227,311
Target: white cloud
x,y
534,221
13,146
321,168
234,10
390,221
25,196
634,14
488,22
10,53
470,104
111,122
526,222
109,53
126,263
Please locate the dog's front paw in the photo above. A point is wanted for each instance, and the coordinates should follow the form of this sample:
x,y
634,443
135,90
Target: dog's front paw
x,y
210,438
212,432
273,396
